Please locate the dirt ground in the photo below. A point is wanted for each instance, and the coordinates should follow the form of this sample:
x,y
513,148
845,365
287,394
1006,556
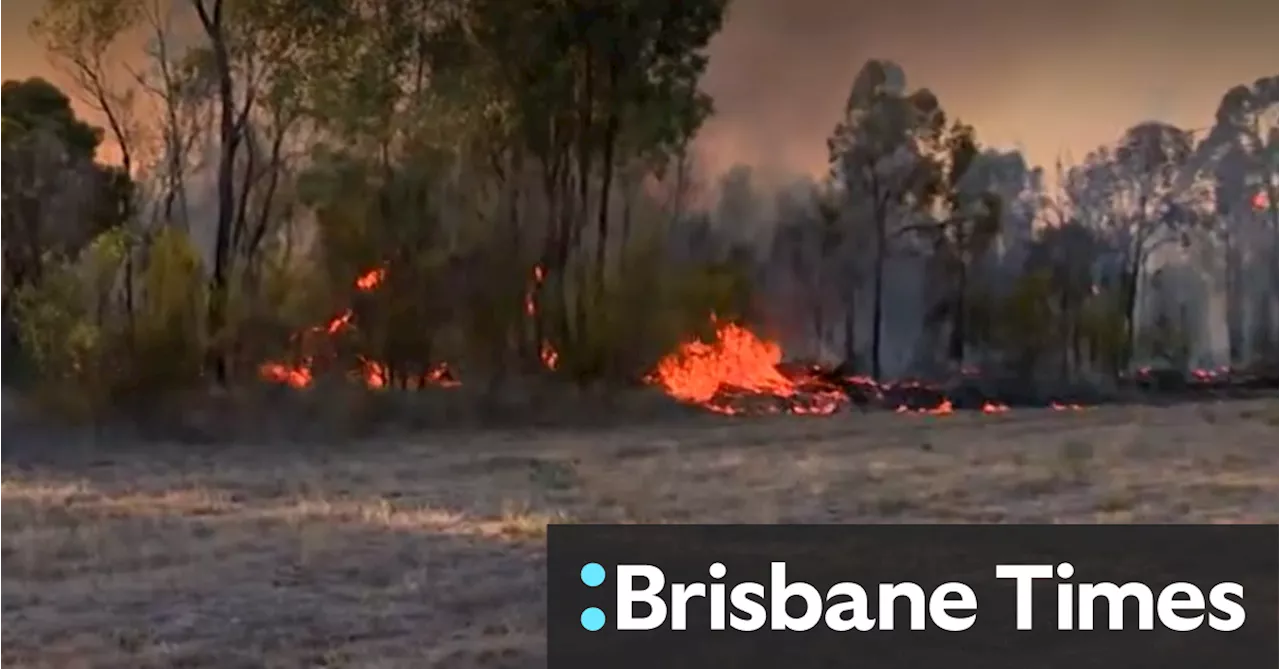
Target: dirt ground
x,y
429,552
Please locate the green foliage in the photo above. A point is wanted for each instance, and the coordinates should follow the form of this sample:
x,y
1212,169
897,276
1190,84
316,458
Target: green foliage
x,y
168,335
1026,328
1029,328
647,312
34,104
399,322
89,356
1102,327
62,344
63,332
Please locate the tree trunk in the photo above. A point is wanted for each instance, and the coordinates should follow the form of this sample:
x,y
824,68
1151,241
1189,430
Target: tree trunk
x,y
877,302
1065,316
628,197
955,346
1273,263
585,155
606,186
212,22
1234,306
959,325
1132,274
850,335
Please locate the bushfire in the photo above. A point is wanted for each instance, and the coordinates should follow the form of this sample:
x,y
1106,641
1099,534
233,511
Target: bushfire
x,y
735,365
373,374
736,372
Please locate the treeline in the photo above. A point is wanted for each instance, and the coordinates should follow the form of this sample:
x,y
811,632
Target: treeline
x,y
520,176
1131,257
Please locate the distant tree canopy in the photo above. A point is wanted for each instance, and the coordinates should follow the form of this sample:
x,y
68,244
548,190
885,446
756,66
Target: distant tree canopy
x,y
35,105
57,198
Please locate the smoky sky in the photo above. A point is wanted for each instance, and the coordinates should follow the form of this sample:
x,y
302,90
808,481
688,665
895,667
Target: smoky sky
x,y
1049,76
1053,77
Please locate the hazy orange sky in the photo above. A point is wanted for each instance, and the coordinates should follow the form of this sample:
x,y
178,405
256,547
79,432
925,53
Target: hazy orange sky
x,y
1050,76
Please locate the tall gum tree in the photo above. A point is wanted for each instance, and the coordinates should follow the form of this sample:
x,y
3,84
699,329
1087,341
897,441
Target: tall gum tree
x,y
878,158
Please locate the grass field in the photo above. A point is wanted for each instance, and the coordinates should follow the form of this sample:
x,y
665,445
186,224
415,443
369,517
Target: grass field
x,y
429,552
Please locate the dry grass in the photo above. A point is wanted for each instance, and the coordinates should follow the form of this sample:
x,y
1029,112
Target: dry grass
x,y
429,553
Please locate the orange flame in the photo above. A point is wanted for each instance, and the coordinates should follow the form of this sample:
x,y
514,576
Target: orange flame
x,y
738,362
944,408
296,377
372,373
550,357
370,280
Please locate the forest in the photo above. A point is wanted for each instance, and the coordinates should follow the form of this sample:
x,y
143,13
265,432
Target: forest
x,y
411,193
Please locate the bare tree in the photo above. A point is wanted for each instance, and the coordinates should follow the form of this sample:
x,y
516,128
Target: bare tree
x,y
212,20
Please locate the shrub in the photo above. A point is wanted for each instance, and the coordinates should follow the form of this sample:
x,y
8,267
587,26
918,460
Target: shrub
x,y
645,312
87,352
1104,331
64,347
167,339
1025,324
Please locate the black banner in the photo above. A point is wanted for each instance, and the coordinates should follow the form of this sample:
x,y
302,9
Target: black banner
x,y
912,596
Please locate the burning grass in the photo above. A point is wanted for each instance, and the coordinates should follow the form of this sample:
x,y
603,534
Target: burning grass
x,y
428,551
736,372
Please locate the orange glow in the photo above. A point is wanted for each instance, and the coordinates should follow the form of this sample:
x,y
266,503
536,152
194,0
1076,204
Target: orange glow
x,y
370,280
735,373
297,377
550,357
738,363
944,408
1261,201
373,374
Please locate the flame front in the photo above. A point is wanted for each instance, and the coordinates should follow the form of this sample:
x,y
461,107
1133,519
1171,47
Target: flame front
x,y
739,363
736,373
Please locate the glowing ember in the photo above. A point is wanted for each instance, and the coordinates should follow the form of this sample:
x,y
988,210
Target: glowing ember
x,y
994,407
374,375
530,296
370,280
1261,200
945,408
297,377
549,355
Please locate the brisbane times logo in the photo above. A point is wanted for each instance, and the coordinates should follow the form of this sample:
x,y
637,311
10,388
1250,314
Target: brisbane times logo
x,y
644,600
909,596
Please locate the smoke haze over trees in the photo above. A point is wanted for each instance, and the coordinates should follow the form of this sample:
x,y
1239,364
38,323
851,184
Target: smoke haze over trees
x,y
512,189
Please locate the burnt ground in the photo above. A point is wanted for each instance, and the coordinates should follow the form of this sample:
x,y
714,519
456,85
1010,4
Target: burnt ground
x,y
426,550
